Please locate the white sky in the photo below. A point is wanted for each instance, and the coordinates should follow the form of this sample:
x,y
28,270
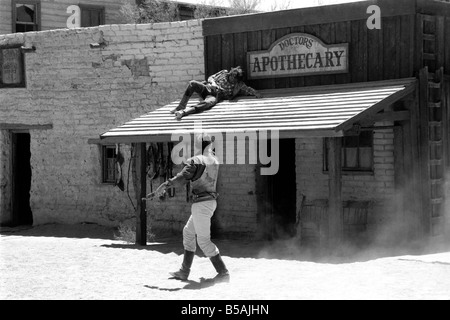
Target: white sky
x,y
267,4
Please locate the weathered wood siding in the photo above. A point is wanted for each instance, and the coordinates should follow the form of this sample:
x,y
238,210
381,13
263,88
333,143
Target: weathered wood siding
x,y
413,34
374,54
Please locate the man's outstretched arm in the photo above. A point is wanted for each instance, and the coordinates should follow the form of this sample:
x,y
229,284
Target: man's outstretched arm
x,y
186,174
245,90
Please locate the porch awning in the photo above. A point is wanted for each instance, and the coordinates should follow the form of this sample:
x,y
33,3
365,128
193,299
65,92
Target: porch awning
x,y
321,111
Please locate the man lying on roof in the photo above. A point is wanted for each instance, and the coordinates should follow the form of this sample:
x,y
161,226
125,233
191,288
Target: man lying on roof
x,y
220,86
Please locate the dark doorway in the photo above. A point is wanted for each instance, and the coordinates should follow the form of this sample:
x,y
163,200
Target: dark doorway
x,y
21,177
283,192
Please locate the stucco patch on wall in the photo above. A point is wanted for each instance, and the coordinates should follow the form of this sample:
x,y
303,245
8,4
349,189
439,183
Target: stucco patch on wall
x,y
138,67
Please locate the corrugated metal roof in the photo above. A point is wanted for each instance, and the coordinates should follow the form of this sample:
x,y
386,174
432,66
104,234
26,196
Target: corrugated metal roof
x,y
304,111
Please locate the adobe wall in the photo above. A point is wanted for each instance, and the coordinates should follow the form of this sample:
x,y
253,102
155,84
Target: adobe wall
x,y
84,92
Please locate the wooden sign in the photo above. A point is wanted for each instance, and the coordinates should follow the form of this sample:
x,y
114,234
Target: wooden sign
x,y
11,67
297,54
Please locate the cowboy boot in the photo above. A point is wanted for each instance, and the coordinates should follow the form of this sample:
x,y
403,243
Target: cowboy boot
x,y
182,104
223,274
180,114
185,269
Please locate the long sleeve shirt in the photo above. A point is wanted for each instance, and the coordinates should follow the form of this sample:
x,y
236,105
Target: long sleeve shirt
x,y
230,90
202,171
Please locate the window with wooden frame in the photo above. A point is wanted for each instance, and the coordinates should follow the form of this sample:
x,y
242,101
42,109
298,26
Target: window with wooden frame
x,y
109,158
91,15
356,154
12,67
26,15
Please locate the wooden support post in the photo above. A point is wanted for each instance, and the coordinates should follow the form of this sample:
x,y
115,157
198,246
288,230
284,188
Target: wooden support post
x,y
413,169
425,219
140,184
400,164
335,209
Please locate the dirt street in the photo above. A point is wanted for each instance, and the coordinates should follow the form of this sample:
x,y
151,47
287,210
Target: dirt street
x,y
86,262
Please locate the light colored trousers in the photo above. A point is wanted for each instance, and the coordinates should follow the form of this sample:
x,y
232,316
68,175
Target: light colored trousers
x,y
199,224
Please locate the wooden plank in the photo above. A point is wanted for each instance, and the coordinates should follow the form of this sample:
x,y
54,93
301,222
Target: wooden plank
x,y
335,209
389,116
305,99
389,48
418,55
266,118
214,62
398,40
282,123
140,184
285,134
304,125
305,16
263,114
307,124
375,47
336,88
352,99
447,45
412,152
379,106
436,8
407,46
400,176
240,50
227,52
343,34
424,152
359,36
130,139
446,127
409,181
440,42
263,207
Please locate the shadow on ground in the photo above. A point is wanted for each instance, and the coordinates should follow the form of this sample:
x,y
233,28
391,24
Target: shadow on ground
x,y
285,249
188,285
288,250
82,230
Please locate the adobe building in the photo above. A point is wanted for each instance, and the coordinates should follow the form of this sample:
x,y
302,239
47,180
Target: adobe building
x,y
356,115
60,88
38,15
361,113
41,15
